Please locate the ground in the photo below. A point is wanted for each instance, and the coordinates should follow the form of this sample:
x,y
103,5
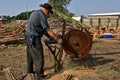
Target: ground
x,y
102,63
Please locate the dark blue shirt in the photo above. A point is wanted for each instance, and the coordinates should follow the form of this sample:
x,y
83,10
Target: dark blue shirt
x,y
37,23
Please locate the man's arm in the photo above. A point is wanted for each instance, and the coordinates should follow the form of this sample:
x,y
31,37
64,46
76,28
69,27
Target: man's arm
x,y
53,35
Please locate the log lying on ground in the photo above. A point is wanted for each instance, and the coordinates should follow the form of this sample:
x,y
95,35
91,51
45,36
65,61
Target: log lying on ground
x,y
7,41
9,74
62,76
31,77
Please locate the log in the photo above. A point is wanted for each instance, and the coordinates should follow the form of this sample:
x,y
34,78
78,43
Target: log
x,y
12,41
68,77
31,77
9,74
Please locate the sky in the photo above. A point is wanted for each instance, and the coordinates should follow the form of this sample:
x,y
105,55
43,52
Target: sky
x,y
78,7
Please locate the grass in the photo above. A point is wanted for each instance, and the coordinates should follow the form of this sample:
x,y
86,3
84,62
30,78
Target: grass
x,y
14,56
98,45
109,74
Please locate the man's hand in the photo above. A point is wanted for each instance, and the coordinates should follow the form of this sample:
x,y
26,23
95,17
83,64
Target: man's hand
x,y
59,41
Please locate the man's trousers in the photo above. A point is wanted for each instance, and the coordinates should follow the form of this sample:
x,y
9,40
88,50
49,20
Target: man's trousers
x,y
35,55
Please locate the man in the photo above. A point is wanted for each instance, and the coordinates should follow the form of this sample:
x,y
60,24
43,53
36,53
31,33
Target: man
x,y
36,27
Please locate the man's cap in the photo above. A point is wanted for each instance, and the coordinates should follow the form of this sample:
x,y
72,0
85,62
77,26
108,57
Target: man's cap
x,y
47,6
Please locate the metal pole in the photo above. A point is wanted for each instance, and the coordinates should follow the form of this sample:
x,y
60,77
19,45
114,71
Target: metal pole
x,y
27,9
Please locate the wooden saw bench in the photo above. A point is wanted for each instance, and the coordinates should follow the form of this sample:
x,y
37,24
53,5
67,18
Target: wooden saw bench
x,y
56,51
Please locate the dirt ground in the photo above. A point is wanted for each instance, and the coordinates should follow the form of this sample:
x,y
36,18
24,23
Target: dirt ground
x,y
102,63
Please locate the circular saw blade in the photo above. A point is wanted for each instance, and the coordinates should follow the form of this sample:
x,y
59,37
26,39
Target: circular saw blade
x,y
77,42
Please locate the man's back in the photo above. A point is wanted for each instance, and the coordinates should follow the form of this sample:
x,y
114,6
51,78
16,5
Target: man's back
x,y
37,23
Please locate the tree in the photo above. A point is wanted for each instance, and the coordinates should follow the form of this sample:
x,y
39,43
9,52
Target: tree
x,y
23,15
7,17
60,5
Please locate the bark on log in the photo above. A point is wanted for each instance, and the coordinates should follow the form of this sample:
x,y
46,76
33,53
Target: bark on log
x,y
11,41
31,77
9,74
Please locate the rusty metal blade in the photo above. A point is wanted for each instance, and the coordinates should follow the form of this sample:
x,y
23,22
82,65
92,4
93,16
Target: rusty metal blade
x,y
77,42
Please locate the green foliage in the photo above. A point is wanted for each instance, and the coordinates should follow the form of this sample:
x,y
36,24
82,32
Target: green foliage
x,y
60,5
60,8
7,17
23,15
13,18
68,17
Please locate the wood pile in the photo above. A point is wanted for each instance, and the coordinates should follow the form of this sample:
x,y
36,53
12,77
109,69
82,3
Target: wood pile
x,y
11,34
98,31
